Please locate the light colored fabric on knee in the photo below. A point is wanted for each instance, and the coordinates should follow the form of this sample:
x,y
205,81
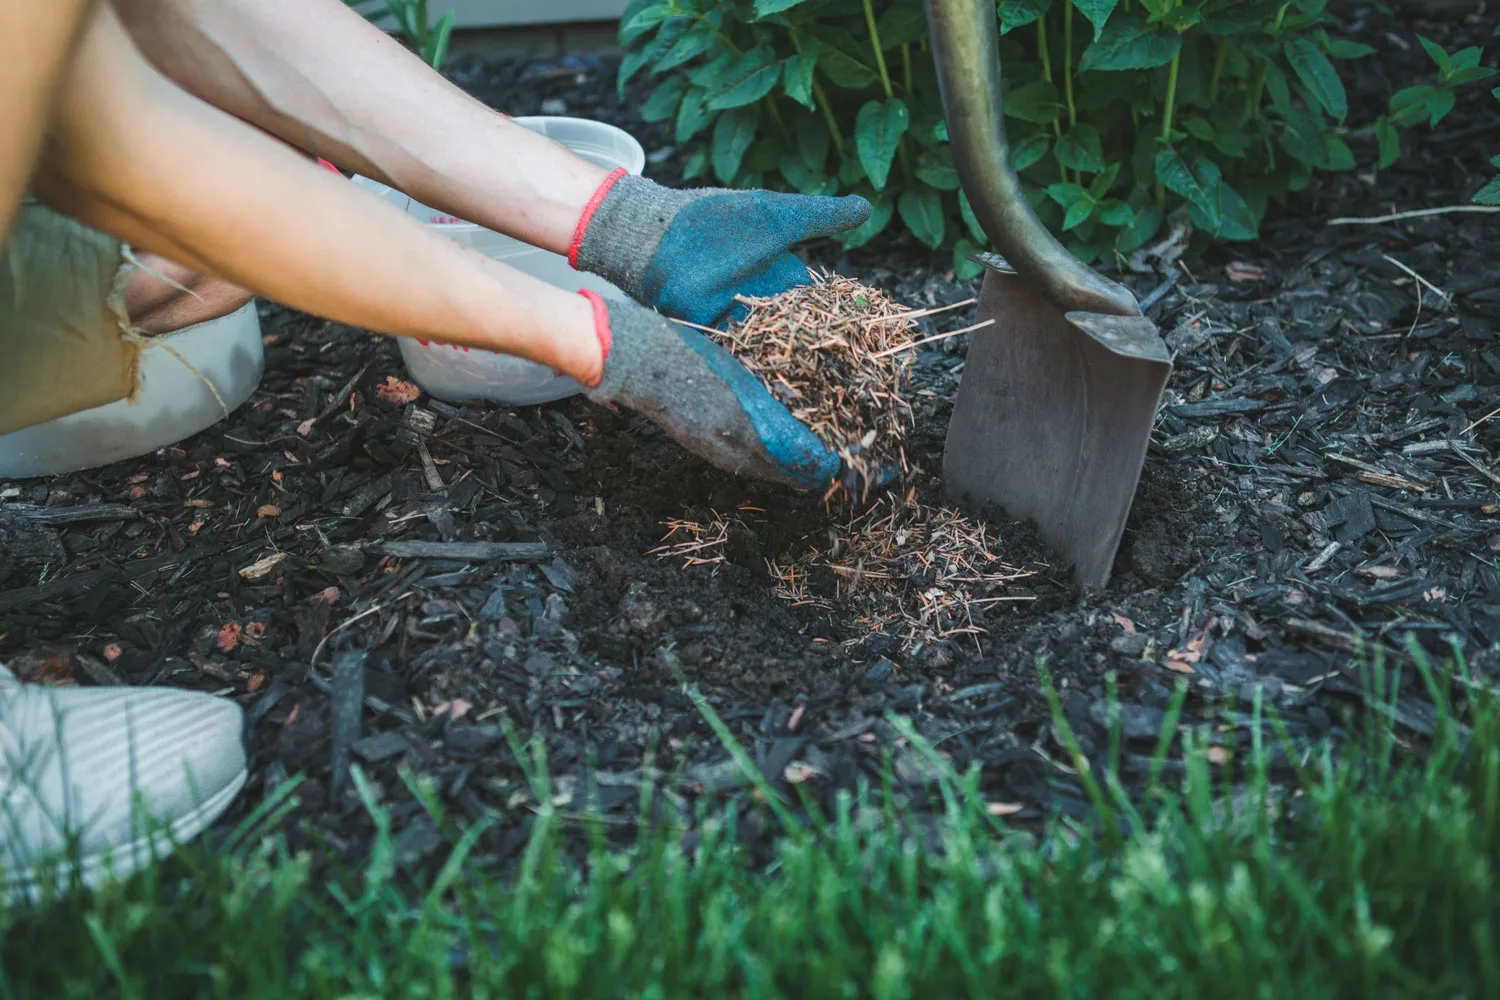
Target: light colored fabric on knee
x,y
65,344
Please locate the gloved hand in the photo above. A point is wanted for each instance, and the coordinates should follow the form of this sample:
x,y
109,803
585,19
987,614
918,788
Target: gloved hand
x,y
702,397
689,253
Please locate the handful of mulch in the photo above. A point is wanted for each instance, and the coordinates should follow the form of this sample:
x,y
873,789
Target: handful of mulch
x,y
836,354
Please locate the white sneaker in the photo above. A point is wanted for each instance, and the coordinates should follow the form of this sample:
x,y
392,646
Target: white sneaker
x,y
108,777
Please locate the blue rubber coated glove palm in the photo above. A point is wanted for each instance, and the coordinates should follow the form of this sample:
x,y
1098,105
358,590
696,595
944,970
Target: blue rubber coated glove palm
x,y
688,253
703,398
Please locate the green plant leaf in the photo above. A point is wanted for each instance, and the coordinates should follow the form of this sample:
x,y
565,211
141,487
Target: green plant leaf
x,y
1438,53
1302,139
967,212
646,18
807,182
1199,128
1276,87
694,42
1101,185
1097,11
1066,195
1019,13
1033,102
663,101
1389,141
435,48
1179,177
965,269
1081,149
1078,213
881,211
1411,105
627,17
1318,75
733,133
765,8
877,132
935,168
696,164
1469,75
797,78
1130,43
1029,151
1489,194
751,79
1229,216
630,65
902,24
843,70
693,115
1116,213
922,210
812,144
1336,154
1340,48
1232,144
1147,222
851,171
1467,58
711,74
670,31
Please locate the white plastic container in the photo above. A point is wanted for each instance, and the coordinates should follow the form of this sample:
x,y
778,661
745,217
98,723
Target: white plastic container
x,y
174,403
456,374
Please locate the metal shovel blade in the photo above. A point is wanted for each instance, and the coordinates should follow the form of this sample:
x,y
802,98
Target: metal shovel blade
x,y
1053,416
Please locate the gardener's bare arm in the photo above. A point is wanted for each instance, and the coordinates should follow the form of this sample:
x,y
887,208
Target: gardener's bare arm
x,y
36,42
133,154
317,74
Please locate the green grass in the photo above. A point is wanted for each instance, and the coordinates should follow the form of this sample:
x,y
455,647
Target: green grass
x,y
1374,876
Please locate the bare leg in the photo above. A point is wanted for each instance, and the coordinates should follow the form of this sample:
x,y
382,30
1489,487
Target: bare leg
x,y
319,76
186,298
36,43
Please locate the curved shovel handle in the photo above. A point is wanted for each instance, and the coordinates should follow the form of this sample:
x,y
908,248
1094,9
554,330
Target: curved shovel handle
x,y
966,48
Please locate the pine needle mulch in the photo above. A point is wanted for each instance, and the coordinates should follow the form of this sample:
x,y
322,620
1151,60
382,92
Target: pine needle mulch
x,y
837,354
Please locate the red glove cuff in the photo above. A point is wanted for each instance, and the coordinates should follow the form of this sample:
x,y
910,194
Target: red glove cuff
x,y
601,324
588,214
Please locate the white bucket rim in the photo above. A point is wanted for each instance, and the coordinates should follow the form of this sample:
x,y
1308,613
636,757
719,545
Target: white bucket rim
x,y
532,122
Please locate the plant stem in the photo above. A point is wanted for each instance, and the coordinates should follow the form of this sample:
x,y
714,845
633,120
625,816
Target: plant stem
x,y
1252,106
1252,100
885,81
1166,119
885,76
820,98
906,66
1041,46
820,101
776,119
1213,84
1171,103
1068,60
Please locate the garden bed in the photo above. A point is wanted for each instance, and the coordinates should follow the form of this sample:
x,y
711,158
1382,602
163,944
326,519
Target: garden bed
x,y
1322,481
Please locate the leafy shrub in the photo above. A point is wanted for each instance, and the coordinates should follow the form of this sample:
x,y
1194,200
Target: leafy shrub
x,y
411,18
1490,193
1121,111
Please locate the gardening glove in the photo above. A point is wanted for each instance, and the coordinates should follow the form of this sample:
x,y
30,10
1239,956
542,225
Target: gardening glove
x,y
689,253
702,397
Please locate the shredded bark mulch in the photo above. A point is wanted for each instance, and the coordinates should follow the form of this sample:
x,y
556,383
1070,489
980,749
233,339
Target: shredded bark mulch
x,y
398,583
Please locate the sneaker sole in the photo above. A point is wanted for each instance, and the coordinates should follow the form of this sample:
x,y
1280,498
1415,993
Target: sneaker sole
x,y
122,861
